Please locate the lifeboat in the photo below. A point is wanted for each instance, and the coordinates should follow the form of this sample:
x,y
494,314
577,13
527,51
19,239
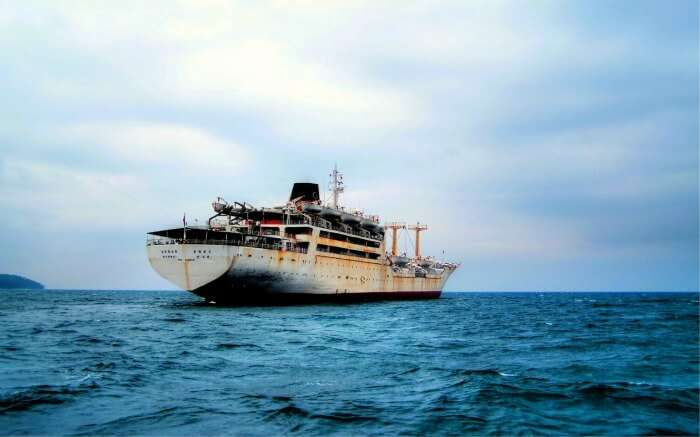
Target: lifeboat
x,y
350,219
370,226
312,208
330,214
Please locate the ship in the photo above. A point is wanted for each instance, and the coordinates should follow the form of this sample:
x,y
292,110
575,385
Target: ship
x,y
304,250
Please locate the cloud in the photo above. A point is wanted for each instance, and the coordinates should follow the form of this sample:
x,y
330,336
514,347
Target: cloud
x,y
215,59
60,198
123,164
180,149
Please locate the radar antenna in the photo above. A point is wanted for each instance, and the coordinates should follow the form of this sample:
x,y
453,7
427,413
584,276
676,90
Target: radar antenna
x,y
336,185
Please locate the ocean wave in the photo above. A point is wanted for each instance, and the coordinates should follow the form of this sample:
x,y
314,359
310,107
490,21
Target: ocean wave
x,y
482,372
225,346
39,395
345,417
634,392
408,371
288,410
163,418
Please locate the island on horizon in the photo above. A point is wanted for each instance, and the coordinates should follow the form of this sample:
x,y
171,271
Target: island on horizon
x,y
16,282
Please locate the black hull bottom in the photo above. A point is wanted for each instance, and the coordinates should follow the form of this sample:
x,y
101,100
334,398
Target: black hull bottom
x,y
267,298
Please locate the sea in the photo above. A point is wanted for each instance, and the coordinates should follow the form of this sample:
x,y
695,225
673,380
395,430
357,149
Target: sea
x,y
82,362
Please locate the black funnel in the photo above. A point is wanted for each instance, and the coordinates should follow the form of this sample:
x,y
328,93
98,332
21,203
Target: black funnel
x,y
306,190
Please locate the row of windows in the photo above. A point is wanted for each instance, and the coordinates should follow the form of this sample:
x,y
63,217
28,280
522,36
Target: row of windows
x,y
303,261
362,279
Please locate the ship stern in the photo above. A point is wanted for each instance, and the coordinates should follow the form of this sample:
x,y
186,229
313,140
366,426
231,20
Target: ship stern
x,y
189,266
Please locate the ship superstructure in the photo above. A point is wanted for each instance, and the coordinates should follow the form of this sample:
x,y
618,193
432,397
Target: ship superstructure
x,y
302,250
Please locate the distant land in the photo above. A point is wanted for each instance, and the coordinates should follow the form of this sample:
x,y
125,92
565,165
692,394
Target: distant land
x,y
14,282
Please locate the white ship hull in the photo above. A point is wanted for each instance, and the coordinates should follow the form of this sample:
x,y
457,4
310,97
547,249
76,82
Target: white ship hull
x,y
224,273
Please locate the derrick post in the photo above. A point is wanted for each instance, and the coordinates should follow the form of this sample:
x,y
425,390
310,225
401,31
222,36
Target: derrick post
x,y
394,226
418,228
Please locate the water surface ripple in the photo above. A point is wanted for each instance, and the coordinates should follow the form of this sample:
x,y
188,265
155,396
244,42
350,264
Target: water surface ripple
x,y
145,362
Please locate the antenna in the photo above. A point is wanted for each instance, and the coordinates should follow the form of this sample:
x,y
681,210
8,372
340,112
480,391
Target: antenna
x,y
418,228
336,185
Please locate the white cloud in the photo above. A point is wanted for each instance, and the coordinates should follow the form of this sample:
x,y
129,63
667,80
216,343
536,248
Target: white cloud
x,y
54,198
133,175
228,57
178,148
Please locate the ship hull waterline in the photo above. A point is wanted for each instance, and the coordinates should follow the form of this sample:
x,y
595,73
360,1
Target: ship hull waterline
x,y
254,296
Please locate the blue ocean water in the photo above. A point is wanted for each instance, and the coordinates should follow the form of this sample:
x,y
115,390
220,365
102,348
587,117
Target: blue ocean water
x,y
154,363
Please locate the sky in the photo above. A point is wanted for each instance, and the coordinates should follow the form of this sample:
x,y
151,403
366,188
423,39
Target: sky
x,y
549,145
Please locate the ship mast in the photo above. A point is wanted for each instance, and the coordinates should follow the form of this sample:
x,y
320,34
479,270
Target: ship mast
x,y
394,226
336,184
418,228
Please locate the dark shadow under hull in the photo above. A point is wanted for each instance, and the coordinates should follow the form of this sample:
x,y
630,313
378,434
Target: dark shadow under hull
x,y
227,297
